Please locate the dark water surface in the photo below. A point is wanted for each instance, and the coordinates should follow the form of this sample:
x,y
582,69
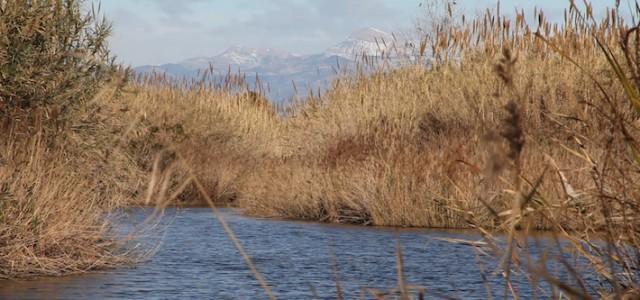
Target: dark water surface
x,y
197,261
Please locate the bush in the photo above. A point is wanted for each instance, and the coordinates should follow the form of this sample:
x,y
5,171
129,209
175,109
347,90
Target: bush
x,y
61,171
52,54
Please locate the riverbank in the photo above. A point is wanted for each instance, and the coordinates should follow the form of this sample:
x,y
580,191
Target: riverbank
x,y
447,146
500,129
486,126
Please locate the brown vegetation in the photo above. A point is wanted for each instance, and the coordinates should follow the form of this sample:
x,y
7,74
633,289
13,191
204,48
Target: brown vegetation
x,y
504,127
61,172
408,147
495,125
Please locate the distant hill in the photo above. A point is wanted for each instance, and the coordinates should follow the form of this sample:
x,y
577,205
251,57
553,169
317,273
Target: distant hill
x,y
277,69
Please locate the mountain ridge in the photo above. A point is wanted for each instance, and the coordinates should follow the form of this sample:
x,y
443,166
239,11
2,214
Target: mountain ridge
x,y
279,69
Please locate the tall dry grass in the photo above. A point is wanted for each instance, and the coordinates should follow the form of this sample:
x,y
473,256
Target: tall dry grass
x,y
222,135
497,125
608,236
408,147
416,146
62,171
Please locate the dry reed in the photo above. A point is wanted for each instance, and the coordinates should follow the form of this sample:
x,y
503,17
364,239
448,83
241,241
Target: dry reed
x,y
545,140
449,141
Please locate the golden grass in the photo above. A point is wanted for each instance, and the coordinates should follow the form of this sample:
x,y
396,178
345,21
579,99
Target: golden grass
x,y
57,191
503,130
423,145
52,221
408,147
62,171
494,127
221,135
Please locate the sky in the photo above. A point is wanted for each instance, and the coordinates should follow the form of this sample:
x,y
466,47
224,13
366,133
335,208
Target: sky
x,y
164,31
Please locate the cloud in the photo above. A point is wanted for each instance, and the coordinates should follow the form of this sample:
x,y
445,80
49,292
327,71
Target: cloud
x,y
306,25
162,31
174,7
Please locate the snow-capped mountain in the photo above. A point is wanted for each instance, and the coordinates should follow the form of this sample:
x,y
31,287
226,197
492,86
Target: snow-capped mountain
x,y
279,69
368,42
238,56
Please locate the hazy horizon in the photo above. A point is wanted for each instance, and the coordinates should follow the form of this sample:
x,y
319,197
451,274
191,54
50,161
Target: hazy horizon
x,y
153,32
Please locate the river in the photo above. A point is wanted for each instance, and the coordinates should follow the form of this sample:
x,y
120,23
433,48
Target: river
x,y
196,260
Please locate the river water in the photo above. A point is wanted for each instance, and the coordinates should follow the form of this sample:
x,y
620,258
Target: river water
x,y
196,260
